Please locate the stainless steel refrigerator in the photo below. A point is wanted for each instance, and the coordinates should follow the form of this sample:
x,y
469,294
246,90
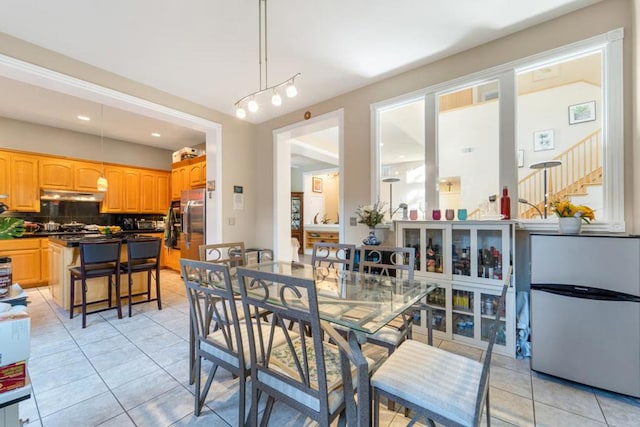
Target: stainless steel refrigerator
x,y
192,208
585,309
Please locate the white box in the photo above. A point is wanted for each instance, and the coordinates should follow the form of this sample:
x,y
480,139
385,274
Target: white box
x,y
185,152
15,343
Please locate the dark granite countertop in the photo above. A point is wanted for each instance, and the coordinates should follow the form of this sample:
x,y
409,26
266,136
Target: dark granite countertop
x,y
84,233
73,241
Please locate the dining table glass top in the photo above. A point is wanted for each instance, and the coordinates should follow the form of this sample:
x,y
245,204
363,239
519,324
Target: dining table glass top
x,y
362,302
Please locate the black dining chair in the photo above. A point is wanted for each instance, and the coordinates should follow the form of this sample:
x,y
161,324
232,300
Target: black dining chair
x,y
143,255
99,258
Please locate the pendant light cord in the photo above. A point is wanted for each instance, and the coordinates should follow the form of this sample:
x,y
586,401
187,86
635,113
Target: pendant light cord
x,y
102,136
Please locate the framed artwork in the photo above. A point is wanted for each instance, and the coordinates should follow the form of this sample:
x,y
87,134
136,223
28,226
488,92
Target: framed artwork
x,y
580,113
520,158
543,140
316,184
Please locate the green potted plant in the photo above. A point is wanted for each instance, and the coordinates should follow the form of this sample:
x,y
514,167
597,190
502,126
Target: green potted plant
x,y
11,227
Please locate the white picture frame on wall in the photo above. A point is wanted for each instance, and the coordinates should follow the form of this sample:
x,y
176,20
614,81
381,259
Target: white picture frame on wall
x,y
543,140
580,113
520,158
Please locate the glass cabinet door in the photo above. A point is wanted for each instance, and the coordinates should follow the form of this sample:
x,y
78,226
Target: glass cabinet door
x,y
411,239
438,302
461,252
434,250
488,307
462,303
490,254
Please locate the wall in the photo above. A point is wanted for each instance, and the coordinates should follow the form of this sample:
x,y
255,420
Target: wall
x,y
593,20
36,138
238,137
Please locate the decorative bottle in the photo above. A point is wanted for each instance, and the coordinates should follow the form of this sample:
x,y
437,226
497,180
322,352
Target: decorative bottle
x,y
431,257
505,204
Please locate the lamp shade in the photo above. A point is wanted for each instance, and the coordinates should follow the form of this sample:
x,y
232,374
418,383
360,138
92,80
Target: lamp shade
x,y
103,185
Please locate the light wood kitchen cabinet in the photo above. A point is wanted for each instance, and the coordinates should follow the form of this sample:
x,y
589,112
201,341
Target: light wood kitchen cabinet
x,y
25,260
56,174
131,190
198,173
5,173
188,174
114,198
24,193
44,260
148,181
85,176
162,199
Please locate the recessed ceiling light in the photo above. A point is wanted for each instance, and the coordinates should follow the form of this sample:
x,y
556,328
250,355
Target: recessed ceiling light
x,y
156,134
401,156
84,118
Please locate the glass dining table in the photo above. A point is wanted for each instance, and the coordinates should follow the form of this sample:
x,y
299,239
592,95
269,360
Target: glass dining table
x,y
361,302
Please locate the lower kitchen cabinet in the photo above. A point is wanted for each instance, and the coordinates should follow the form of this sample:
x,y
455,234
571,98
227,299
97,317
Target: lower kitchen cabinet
x,y
26,260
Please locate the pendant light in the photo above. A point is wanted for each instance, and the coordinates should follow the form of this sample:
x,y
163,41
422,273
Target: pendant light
x,y
250,102
103,185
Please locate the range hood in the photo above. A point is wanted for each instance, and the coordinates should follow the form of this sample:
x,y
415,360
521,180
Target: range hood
x,y
71,196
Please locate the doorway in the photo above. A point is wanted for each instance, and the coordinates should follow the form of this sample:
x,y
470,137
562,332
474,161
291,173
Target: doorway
x,y
298,151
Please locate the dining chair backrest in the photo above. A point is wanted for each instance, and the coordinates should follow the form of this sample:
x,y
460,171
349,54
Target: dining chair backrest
x,y
294,371
211,298
333,255
385,260
144,248
232,254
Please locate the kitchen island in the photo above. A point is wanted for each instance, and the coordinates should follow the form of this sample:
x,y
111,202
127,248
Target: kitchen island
x,y
64,253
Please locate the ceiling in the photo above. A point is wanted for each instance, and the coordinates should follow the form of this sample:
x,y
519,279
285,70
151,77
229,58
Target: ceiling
x,y
207,52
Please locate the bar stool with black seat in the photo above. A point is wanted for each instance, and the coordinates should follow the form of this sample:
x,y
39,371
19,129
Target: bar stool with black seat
x,y
143,254
100,258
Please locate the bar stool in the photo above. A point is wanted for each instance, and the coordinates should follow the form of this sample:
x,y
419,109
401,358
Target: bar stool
x,y
143,254
100,258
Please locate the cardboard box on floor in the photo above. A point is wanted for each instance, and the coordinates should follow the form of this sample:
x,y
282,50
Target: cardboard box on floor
x,y
15,334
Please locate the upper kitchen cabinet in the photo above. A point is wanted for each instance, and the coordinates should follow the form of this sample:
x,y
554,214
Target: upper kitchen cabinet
x,y
24,193
62,174
154,192
5,173
85,176
56,174
187,175
131,190
114,197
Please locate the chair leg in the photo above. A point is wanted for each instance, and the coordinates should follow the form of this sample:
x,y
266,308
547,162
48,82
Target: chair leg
x,y
130,286
488,414
242,396
197,369
158,288
376,408
72,299
148,284
119,302
109,291
84,303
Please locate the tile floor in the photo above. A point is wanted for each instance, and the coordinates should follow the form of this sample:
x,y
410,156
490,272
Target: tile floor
x,y
133,372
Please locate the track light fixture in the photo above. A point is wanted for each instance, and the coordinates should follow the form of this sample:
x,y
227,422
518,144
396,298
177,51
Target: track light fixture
x,y
250,102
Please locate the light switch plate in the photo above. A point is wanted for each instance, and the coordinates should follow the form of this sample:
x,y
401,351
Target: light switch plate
x,y
232,220
353,221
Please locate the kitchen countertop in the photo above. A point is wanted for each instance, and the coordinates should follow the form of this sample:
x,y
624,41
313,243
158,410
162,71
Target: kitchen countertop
x,y
85,233
73,241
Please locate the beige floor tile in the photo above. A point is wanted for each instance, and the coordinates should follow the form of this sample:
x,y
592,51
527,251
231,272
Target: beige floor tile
x,y
157,343
121,420
144,388
511,408
94,334
116,357
163,410
511,381
620,411
65,396
42,346
129,371
104,346
207,418
53,378
548,416
171,354
567,396
89,412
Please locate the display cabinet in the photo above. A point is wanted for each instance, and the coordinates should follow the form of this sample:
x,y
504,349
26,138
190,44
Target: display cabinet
x,y
297,218
466,259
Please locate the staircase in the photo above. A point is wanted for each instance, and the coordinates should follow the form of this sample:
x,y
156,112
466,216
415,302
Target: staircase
x,y
581,167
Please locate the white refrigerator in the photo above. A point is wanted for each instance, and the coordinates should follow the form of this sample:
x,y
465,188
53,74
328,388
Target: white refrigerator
x,y
585,309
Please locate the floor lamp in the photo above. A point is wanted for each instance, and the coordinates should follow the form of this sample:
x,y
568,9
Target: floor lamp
x,y
391,180
544,165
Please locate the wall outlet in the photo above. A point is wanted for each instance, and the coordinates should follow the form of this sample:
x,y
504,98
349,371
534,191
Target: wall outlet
x,y
232,220
353,221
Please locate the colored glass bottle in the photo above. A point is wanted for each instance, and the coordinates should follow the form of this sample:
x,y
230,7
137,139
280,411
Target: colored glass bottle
x,y
505,204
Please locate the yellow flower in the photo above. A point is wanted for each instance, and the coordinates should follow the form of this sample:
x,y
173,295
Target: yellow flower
x,y
565,208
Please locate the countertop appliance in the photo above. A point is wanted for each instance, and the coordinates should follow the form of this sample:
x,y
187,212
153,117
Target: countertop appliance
x,y
145,224
585,309
192,235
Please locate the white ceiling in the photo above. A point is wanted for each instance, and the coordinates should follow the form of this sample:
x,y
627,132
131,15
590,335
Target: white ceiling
x,y
206,51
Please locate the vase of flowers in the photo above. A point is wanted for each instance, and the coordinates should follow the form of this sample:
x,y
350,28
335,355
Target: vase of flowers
x,y
571,217
371,215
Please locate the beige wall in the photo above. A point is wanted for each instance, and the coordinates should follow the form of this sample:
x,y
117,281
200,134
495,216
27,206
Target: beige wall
x,y
36,138
582,24
237,136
